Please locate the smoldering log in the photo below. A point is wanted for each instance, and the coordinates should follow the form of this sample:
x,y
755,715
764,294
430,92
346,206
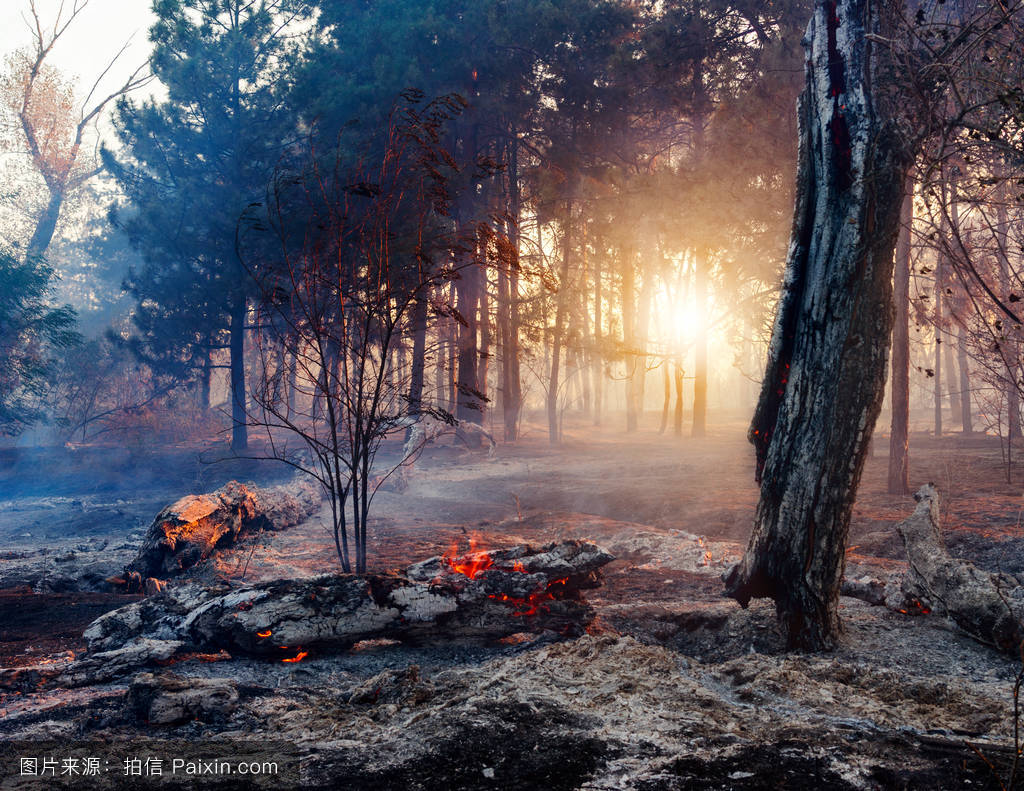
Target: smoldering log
x,y
188,531
482,595
986,606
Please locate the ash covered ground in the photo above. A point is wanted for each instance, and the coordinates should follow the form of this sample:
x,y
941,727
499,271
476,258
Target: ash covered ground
x,y
673,686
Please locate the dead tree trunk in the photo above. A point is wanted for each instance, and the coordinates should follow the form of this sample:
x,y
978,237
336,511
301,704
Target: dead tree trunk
x,y
899,475
823,386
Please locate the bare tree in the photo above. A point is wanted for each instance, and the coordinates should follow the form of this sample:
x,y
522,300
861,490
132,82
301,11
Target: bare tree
x,y
53,124
340,293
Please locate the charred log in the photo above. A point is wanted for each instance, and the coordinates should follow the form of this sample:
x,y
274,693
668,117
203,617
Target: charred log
x,y
190,530
482,595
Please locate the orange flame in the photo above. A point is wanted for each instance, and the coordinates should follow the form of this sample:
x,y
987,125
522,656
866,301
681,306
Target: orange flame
x,y
518,566
470,564
298,657
264,634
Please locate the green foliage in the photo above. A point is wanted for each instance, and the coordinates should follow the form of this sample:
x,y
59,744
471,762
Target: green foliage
x,y
31,331
198,160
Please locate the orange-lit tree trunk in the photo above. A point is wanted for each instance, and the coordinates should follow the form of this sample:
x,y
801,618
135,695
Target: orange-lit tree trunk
x,y
824,381
899,480
677,420
700,369
629,341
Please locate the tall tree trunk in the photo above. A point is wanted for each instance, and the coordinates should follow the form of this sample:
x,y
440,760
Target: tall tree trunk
x,y
556,338
677,418
966,421
512,395
629,336
643,328
419,353
484,348
952,388
899,471
1010,348
205,376
939,278
823,386
597,356
239,417
700,371
46,225
668,396
467,290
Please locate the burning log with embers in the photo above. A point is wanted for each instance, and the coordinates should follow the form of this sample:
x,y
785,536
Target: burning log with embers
x,y
483,595
190,530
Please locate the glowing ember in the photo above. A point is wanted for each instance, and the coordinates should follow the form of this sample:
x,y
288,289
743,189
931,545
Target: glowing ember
x,y
518,566
264,634
298,657
470,564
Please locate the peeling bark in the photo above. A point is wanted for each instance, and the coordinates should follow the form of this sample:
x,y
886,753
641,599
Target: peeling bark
x,y
823,385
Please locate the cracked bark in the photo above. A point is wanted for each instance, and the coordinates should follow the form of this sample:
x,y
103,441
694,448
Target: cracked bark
x,y
824,380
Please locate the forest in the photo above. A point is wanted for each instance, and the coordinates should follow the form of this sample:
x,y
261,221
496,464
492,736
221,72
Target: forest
x,y
521,394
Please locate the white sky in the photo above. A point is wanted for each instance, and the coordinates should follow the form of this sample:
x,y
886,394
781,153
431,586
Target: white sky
x,y
99,31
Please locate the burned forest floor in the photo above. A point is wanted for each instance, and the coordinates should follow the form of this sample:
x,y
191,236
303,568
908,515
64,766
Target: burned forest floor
x,y
672,685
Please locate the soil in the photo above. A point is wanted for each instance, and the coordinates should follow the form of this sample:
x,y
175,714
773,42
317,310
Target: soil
x,y
674,688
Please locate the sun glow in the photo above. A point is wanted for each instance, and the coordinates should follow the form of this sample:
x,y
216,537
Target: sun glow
x,y
684,320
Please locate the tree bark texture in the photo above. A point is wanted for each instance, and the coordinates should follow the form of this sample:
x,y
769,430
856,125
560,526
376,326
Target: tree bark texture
x,y
899,473
824,380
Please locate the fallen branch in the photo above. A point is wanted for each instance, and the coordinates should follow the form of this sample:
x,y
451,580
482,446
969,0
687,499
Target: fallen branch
x,y
980,603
